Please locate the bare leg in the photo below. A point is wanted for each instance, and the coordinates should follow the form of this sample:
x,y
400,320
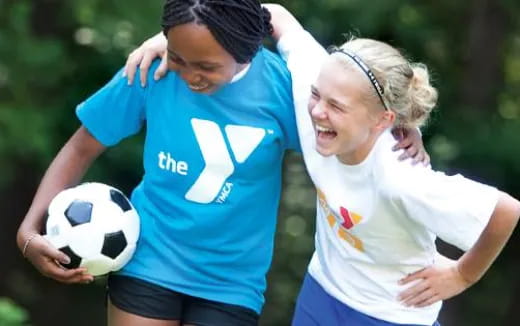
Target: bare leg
x,y
118,317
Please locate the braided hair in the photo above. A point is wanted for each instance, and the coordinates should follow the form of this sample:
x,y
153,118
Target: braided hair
x,y
239,26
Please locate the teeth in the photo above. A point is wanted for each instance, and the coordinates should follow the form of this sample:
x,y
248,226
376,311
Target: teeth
x,y
197,87
323,129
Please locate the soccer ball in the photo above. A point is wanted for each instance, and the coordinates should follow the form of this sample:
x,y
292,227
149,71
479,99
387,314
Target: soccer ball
x,y
95,225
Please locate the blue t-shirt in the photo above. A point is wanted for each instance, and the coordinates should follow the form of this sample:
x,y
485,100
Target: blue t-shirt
x,y
209,196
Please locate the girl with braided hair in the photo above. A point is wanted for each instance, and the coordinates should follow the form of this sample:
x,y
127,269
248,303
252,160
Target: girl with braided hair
x,y
217,128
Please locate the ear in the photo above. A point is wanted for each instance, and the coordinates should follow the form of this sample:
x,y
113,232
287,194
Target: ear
x,y
386,120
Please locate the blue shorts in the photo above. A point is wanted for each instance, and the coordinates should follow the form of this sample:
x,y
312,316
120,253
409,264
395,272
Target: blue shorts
x,y
316,307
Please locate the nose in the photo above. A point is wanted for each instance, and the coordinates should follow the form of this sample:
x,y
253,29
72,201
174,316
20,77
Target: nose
x,y
190,76
318,111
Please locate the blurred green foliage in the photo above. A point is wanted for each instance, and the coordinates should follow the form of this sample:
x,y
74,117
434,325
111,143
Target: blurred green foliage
x,y
54,53
11,314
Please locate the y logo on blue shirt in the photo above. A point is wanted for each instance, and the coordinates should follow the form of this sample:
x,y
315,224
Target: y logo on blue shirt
x,y
219,166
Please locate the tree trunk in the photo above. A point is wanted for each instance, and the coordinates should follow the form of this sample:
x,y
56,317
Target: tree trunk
x,y
483,60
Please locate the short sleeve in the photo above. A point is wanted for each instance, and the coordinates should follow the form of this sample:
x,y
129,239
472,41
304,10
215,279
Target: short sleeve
x,y
281,80
289,126
114,112
454,208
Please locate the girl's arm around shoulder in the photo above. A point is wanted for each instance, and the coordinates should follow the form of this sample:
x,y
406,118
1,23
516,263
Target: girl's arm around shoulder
x,y
144,56
155,47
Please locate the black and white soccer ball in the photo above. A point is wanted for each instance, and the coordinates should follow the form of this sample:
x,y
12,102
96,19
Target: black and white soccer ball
x,y
95,225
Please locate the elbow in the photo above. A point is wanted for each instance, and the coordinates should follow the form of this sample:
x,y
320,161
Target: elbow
x,y
515,207
281,19
275,8
507,210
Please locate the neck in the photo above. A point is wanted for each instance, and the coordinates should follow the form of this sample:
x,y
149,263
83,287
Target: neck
x,y
241,67
241,71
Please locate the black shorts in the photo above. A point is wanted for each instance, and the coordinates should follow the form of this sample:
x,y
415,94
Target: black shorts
x,y
148,300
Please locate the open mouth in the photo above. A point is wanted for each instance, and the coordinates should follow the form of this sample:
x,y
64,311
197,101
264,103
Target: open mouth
x,y
324,133
199,87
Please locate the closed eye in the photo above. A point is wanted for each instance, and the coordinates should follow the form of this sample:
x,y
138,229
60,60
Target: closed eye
x,y
175,58
336,106
209,68
314,93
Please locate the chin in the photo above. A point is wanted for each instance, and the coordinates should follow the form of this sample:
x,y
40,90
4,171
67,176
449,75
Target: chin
x,y
323,151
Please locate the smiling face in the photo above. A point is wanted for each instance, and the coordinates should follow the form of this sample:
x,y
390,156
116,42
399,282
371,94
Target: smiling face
x,y
199,59
346,119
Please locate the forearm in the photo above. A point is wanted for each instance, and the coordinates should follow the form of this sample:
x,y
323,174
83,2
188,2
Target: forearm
x,y
474,263
66,170
281,19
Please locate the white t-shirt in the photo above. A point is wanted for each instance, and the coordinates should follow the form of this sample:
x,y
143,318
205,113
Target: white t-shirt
x,y
377,221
